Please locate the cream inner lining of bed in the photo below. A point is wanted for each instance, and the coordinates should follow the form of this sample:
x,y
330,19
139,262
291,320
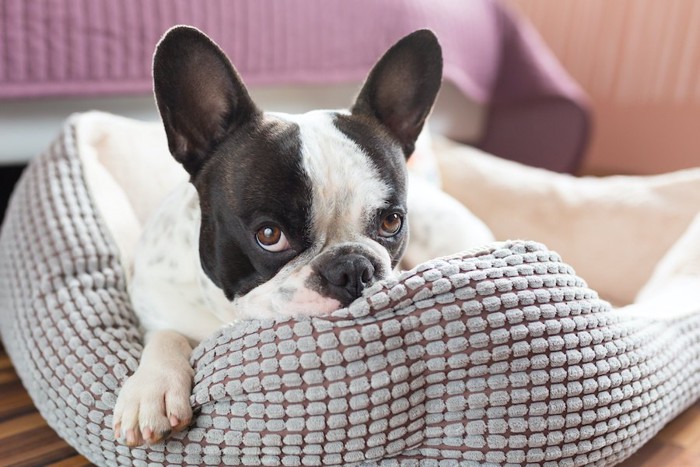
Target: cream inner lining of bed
x,y
629,237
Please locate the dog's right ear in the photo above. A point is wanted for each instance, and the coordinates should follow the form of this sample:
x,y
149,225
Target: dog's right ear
x,y
199,95
401,88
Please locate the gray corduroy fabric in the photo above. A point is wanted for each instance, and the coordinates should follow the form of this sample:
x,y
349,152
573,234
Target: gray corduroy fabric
x,y
498,356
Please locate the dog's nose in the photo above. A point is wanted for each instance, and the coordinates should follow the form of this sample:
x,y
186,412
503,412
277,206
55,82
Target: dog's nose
x,y
348,276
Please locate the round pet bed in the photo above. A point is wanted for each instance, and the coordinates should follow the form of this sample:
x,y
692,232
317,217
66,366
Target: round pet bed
x,y
500,355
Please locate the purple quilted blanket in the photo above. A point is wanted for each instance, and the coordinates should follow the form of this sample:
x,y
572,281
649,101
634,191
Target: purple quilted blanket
x,y
536,113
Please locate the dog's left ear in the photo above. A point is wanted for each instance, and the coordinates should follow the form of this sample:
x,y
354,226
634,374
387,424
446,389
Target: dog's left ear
x,y
402,87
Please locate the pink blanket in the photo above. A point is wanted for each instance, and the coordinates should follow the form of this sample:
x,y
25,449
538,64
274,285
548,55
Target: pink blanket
x,y
537,114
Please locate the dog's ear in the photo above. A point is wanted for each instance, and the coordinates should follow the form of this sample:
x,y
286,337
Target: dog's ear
x,y
402,87
199,95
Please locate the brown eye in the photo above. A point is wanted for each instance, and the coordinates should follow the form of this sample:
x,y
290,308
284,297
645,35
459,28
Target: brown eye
x,y
271,238
391,224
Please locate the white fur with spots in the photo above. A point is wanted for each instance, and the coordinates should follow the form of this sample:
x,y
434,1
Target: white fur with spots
x,y
173,297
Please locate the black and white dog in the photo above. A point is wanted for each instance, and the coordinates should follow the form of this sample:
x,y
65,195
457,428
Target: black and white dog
x,y
283,215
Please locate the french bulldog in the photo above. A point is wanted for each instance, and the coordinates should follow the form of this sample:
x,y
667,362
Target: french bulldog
x,y
282,215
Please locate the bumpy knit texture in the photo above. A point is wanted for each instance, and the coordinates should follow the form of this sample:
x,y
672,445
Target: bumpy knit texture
x,y
500,355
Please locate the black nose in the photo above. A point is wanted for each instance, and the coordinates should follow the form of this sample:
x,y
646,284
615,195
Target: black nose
x,y
347,276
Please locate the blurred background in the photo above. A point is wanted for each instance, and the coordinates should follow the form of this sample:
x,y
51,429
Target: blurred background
x,y
580,86
639,63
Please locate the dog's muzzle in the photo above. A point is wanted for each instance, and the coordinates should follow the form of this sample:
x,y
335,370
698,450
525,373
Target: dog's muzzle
x,y
345,271
348,276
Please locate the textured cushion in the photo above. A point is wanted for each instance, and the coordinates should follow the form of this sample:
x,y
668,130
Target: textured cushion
x,y
498,355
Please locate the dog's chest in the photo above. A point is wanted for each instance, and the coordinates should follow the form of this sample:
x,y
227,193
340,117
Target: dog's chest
x,y
168,288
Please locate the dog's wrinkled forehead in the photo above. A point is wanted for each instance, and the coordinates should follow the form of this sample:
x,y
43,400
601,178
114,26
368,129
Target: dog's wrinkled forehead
x,y
258,172
353,171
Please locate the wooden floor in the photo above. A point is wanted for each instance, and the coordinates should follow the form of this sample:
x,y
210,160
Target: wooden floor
x,y
26,440
677,445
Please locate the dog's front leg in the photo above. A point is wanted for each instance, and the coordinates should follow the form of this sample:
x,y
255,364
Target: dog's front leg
x,y
156,399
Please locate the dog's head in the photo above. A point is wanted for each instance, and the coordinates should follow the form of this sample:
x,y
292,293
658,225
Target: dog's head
x,y
299,213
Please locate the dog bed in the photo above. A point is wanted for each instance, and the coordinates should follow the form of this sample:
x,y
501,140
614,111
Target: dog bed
x,y
499,355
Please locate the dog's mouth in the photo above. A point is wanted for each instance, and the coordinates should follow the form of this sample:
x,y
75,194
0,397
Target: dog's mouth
x,y
316,285
306,302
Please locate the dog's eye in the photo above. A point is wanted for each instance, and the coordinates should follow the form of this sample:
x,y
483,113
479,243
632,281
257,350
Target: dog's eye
x,y
271,238
391,224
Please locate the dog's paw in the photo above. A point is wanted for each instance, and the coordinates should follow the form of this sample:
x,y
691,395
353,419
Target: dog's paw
x,y
152,404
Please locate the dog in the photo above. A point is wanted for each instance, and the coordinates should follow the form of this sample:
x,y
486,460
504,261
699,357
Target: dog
x,y
283,215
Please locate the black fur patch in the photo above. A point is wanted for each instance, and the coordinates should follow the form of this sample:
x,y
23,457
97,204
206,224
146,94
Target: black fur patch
x,y
255,176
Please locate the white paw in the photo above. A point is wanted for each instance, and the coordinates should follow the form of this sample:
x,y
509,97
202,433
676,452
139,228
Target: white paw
x,y
152,404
